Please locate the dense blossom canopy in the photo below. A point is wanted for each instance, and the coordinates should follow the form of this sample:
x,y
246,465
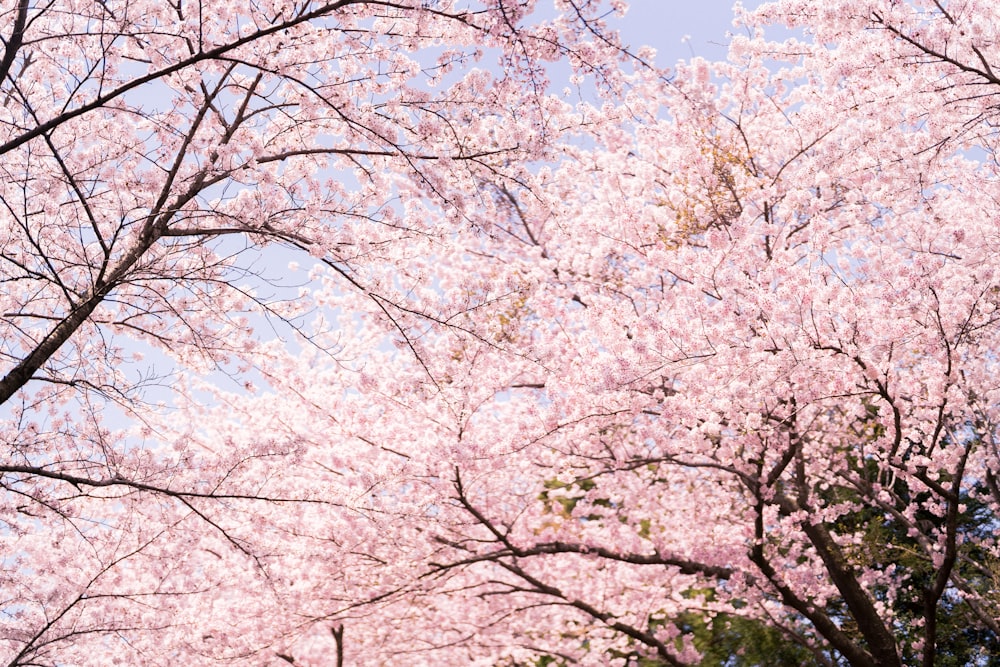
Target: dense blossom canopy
x,y
335,333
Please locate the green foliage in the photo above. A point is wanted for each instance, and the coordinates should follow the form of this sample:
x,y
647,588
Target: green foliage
x,y
962,639
725,640
566,495
873,537
549,661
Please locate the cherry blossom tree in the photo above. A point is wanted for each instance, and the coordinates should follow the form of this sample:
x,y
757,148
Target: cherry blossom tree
x,y
731,366
557,383
159,160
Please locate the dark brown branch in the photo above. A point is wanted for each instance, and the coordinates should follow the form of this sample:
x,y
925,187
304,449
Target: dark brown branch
x,y
13,43
609,620
986,73
202,56
338,636
857,656
81,481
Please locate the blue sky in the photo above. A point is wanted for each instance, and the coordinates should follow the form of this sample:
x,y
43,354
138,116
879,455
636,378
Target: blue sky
x,y
663,24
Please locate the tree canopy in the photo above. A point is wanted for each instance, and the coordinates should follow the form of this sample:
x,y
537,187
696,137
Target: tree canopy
x,y
454,332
